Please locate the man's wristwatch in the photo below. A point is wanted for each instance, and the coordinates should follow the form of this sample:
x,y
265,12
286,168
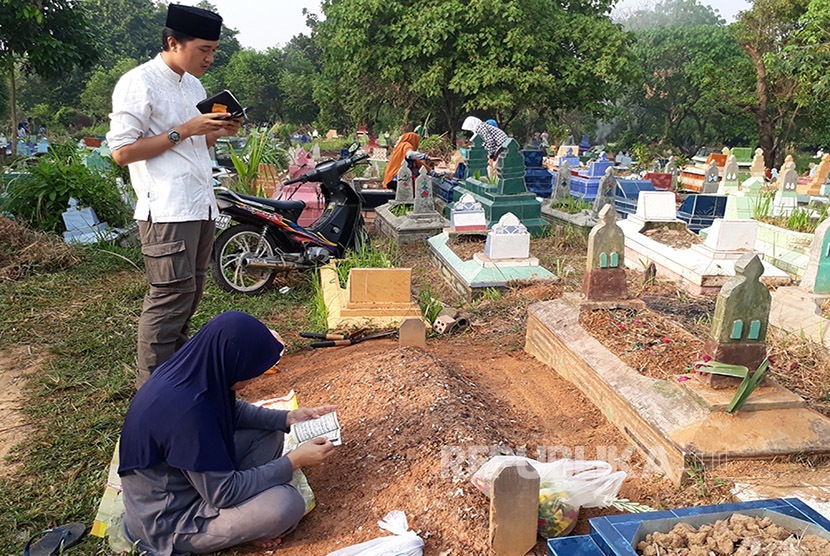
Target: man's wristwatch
x,y
174,136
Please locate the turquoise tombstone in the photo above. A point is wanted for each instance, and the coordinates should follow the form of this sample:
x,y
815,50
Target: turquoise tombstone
x,y
743,304
477,158
817,274
508,194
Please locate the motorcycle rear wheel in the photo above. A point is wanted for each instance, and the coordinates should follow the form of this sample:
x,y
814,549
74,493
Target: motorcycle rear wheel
x,y
231,245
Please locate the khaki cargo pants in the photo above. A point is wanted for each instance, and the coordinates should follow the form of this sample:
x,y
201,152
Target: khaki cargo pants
x,y
176,260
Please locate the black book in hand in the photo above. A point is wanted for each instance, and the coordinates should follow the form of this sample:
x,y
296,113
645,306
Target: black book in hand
x,y
223,102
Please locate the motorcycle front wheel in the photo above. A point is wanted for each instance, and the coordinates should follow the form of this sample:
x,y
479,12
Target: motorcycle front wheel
x,y
233,244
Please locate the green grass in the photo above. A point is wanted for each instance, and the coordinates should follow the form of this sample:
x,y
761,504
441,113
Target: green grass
x,y
402,209
85,320
373,255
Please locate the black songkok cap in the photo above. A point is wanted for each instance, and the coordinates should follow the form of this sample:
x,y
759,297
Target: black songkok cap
x,y
193,21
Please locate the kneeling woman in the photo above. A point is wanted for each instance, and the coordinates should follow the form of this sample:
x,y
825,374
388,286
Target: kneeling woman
x,y
201,470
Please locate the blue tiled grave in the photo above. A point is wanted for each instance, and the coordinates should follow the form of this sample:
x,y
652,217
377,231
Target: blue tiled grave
x,y
584,183
614,535
628,191
538,179
699,211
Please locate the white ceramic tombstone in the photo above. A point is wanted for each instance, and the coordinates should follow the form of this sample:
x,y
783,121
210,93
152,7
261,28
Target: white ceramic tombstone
x,y
467,215
508,239
656,206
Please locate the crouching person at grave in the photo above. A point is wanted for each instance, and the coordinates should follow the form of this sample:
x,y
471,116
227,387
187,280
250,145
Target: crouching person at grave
x,y
405,150
202,471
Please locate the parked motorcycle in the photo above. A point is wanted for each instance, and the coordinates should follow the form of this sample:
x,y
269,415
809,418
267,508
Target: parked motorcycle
x,y
265,238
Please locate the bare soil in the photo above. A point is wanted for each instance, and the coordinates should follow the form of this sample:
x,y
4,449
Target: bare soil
x,y
465,246
644,340
17,362
739,535
417,424
679,239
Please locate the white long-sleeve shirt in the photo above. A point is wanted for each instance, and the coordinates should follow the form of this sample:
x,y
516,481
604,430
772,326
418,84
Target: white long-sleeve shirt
x,y
175,186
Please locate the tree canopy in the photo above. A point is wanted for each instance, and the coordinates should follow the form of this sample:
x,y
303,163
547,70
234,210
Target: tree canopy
x,y
490,56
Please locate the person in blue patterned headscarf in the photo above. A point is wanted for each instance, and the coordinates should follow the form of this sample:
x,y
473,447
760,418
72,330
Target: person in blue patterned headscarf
x,y
493,137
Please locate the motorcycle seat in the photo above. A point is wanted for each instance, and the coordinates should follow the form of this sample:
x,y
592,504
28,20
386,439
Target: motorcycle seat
x,y
277,204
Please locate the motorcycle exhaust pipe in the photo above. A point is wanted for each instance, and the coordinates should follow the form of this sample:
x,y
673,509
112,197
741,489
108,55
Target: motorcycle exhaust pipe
x,y
268,263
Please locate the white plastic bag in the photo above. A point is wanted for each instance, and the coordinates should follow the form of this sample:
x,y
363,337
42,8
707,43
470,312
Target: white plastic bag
x,y
565,486
403,542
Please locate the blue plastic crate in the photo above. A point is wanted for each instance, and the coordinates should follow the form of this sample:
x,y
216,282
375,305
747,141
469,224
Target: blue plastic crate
x,y
613,535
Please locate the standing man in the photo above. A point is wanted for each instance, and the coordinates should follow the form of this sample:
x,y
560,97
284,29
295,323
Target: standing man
x,y
156,129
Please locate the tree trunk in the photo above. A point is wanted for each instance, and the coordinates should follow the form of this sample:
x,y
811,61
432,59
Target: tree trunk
x,y
766,135
13,106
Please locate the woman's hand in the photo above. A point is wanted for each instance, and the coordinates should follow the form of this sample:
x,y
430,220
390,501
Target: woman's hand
x,y
313,452
306,413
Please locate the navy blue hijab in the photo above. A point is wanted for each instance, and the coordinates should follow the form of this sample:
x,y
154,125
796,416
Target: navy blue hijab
x,y
184,414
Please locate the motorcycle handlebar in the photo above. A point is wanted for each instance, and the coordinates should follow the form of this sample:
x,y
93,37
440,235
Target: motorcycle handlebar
x,y
295,180
343,166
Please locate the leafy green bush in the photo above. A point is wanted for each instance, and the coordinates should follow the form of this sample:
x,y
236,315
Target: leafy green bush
x,y
40,198
437,146
260,148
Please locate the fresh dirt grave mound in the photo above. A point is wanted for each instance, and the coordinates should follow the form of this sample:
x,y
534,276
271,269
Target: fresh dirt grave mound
x,y
433,418
24,251
402,450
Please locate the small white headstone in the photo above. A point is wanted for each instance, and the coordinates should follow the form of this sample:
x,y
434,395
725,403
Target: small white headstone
x,y
509,239
656,206
732,235
467,215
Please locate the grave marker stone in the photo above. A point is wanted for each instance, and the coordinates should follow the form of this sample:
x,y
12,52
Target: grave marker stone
x,y
817,274
729,183
514,510
786,198
412,332
562,183
606,191
710,179
423,193
467,215
315,152
757,169
511,169
477,158
739,324
671,166
656,206
816,186
604,278
508,239
403,193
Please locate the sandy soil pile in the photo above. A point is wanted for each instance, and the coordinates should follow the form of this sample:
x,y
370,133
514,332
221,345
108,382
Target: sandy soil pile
x,y
740,535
